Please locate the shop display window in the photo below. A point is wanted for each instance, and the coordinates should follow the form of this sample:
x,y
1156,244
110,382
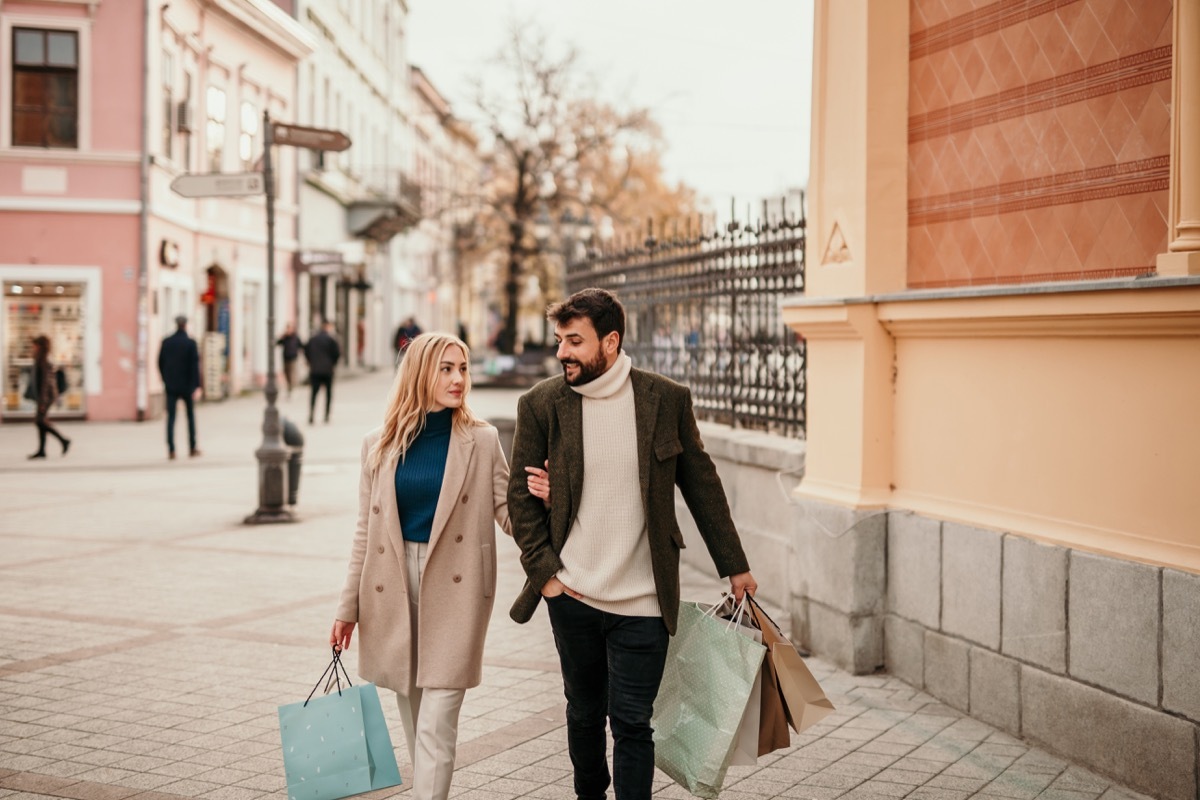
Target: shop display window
x,y
55,310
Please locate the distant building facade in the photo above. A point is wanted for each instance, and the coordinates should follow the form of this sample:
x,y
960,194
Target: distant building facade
x,y
447,169
353,204
97,252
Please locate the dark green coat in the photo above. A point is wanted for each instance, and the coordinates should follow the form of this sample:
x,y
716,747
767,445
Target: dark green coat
x,y
670,454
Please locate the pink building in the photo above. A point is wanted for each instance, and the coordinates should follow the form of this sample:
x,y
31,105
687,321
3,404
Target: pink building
x,y
103,103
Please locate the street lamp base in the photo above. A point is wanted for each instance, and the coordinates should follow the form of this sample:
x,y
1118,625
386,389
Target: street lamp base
x,y
270,516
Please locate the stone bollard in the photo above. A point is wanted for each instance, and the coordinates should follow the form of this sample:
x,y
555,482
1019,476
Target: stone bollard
x,y
295,441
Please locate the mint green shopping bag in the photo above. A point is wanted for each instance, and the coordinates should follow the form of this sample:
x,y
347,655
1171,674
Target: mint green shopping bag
x,y
337,745
706,688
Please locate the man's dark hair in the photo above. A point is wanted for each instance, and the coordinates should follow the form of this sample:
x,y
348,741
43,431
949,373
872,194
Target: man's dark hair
x,y
599,305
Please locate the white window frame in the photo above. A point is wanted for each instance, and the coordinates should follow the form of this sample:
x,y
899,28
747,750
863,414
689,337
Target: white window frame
x,y
223,158
252,99
82,27
166,54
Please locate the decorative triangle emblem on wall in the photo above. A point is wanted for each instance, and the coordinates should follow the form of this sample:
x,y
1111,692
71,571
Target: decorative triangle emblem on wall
x,y
836,250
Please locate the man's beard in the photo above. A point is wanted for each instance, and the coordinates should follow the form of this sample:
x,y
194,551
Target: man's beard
x,y
587,372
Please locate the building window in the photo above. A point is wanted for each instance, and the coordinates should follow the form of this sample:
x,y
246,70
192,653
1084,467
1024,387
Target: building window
x,y
45,111
184,121
249,135
168,104
214,128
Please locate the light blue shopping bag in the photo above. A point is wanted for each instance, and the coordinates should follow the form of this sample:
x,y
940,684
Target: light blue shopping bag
x,y
337,745
706,688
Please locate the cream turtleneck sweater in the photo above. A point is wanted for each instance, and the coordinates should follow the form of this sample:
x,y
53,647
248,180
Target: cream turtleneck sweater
x,y
607,554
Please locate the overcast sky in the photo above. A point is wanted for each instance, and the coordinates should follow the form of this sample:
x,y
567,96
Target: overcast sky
x,y
729,82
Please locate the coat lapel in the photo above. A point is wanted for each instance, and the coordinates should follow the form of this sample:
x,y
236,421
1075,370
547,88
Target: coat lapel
x,y
385,492
458,459
645,407
570,427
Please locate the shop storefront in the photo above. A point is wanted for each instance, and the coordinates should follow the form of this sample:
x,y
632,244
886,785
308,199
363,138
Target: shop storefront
x,y
56,310
321,268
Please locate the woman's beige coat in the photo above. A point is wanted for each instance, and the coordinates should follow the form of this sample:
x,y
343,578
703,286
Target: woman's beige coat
x,y
459,582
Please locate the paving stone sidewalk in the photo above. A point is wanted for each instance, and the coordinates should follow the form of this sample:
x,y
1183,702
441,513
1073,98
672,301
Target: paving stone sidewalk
x,y
151,636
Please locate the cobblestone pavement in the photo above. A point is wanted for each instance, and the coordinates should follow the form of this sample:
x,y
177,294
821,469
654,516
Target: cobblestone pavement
x,y
151,636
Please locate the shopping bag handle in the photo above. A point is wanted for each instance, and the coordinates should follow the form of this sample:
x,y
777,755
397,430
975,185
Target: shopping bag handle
x,y
736,614
763,611
333,677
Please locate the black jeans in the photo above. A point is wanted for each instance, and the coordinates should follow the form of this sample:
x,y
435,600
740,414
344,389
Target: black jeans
x,y
189,404
611,666
316,382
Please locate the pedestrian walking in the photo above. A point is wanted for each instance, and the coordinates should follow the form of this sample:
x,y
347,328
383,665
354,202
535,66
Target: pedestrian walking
x,y
606,557
423,564
43,390
179,366
291,345
408,330
322,353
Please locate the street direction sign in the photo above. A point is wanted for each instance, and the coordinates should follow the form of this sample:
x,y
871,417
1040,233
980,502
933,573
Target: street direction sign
x,y
219,184
312,138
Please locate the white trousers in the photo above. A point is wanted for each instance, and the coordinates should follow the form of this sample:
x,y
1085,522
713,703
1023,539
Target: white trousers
x,y
429,716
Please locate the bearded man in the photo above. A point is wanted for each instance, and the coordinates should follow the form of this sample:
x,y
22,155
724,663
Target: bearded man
x,y
605,556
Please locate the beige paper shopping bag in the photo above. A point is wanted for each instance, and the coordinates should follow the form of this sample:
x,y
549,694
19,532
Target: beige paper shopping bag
x,y
804,700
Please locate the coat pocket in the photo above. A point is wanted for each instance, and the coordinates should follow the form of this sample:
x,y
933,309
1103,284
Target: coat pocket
x,y
489,569
667,449
677,537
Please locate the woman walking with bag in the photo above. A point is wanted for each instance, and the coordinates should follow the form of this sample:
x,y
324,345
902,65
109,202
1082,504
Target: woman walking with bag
x,y
45,392
422,574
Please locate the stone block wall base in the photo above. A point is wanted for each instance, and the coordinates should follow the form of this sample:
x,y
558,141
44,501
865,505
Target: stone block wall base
x,y
853,643
1089,656
839,583
1144,748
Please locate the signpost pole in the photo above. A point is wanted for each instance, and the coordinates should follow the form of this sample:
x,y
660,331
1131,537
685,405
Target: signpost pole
x,y
272,454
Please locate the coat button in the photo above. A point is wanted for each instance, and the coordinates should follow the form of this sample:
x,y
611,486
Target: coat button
x,y
465,498
375,509
381,548
379,588
458,538
458,578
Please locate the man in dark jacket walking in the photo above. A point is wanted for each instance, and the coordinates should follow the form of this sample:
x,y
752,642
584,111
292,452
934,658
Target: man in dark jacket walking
x,y
179,365
322,353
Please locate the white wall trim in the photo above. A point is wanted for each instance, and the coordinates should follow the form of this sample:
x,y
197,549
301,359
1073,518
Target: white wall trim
x,y
192,225
70,205
104,206
26,154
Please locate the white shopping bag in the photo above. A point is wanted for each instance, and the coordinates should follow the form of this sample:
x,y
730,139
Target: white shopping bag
x,y
745,744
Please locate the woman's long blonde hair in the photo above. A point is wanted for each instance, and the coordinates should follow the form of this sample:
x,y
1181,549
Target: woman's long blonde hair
x,y
412,395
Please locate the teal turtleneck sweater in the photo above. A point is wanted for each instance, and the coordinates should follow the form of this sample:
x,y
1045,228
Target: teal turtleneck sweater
x,y
419,476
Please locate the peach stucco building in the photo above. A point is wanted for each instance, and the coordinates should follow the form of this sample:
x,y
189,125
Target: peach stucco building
x,y
1001,307
102,104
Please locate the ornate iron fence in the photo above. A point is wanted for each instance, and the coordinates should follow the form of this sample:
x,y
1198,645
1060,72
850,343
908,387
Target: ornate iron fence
x,y
703,309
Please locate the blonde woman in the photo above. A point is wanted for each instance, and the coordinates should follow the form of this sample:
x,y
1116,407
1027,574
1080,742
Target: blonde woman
x,y
422,575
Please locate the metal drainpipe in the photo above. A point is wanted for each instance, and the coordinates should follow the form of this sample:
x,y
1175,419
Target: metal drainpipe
x,y
143,315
